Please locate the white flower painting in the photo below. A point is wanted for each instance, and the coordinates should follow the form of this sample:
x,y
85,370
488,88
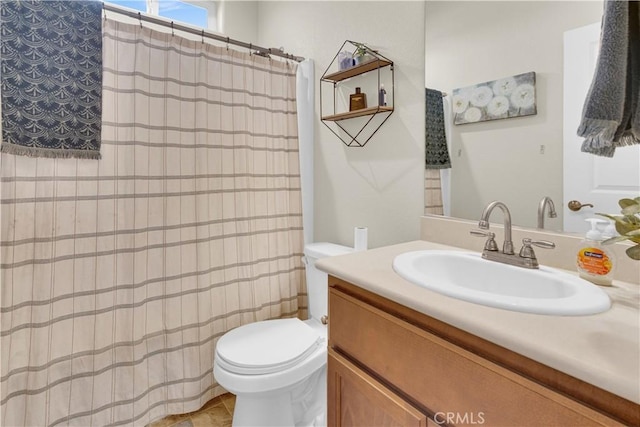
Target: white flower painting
x,y
481,96
499,99
498,106
472,114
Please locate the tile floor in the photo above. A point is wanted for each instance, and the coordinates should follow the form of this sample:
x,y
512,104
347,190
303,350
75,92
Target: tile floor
x,y
217,412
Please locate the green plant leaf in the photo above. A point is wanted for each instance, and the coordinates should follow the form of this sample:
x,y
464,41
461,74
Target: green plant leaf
x,y
627,225
634,252
631,220
615,239
627,202
624,227
616,218
631,209
622,224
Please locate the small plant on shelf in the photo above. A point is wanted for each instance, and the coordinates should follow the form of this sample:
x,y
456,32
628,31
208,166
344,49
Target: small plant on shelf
x,y
360,55
627,225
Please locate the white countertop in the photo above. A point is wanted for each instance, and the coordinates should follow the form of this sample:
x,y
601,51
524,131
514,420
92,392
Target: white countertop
x,y
601,349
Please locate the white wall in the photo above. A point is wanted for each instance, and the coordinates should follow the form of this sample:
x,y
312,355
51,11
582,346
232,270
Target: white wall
x,y
238,20
379,186
476,41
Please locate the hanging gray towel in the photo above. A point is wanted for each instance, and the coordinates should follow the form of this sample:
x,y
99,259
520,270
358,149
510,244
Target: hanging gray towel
x,y
51,59
611,115
437,154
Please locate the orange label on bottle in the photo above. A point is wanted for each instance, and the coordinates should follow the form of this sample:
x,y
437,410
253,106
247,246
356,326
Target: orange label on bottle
x,y
594,261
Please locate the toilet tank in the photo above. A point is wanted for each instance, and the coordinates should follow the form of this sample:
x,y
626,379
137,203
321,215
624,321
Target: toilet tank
x,y
317,286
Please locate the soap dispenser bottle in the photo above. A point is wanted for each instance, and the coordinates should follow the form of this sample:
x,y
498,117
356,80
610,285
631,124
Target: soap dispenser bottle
x,y
594,263
609,231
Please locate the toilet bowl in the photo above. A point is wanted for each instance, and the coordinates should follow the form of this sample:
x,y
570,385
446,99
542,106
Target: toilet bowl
x,y
277,368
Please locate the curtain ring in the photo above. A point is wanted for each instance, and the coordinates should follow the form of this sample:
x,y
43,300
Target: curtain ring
x,y
227,42
172,33
250,49
140,19
203,35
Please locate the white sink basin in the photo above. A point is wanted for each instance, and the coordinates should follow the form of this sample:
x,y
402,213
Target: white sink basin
x,y
468,277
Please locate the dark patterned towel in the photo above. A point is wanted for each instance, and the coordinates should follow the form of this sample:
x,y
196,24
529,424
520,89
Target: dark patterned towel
x,y
51,59
611,113
437,155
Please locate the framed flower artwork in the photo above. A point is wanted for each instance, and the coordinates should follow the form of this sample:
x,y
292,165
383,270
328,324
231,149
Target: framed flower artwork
x,y
498,99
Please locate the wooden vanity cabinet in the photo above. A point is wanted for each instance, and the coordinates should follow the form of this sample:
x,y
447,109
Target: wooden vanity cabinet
x,y
361,400
392,366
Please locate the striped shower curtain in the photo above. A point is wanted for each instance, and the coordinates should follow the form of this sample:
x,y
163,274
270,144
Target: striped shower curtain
x,y
119,275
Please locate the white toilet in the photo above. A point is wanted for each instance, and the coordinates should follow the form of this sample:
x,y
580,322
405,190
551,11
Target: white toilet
x,y
278,368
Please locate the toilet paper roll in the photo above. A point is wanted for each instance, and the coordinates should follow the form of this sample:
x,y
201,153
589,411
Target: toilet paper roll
x,y
360,238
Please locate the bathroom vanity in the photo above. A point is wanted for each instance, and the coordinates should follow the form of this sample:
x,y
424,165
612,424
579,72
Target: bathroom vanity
x,y
406,356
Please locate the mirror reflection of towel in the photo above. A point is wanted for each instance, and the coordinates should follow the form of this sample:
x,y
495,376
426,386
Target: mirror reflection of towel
x,y
437,155
611,113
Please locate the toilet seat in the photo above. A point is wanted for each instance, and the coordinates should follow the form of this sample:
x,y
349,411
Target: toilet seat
x,y
267,347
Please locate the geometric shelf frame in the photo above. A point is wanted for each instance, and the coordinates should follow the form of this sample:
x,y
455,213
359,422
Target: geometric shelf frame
x,y
375,62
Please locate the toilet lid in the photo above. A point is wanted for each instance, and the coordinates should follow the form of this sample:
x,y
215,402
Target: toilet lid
x,y
266,347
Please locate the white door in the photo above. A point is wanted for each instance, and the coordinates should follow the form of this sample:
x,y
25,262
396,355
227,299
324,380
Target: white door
x,y
590,179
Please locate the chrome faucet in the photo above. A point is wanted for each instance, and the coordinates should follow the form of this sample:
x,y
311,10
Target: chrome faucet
x,y
507,246
526,258
546,200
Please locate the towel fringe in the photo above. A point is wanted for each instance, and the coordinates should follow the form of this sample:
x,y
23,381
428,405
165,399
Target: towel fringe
x,y
601,131
446,166
588,146
629,137
598,136
19,150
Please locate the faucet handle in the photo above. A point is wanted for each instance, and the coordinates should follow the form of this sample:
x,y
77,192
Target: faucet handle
x,y
490,244
527,250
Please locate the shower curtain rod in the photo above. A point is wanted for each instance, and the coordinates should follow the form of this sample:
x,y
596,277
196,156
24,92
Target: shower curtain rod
x,y
203,33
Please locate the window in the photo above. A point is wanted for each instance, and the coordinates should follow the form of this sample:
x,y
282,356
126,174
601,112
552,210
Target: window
x,y
140,5
175,10
184,12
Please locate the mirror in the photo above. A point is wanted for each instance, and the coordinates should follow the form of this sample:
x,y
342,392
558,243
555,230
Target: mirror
x,y
516,160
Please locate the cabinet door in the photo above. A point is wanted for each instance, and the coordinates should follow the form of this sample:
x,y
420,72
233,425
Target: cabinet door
x,y
356,399
443,377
